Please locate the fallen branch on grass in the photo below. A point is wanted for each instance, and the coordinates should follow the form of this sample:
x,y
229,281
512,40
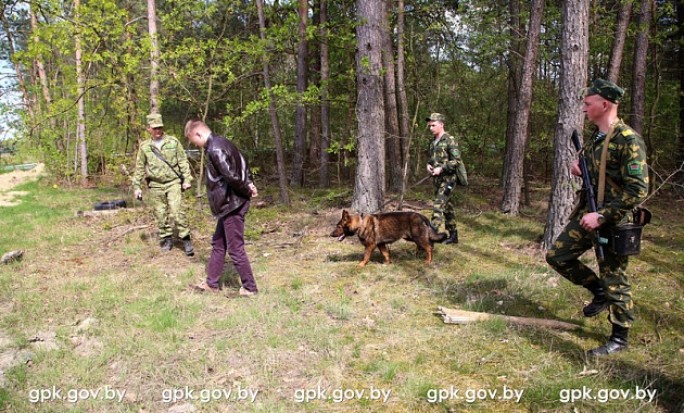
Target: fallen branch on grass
x,y
128,231
451,316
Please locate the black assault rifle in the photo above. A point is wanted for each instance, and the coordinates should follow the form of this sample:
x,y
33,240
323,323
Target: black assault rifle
x,y
588,189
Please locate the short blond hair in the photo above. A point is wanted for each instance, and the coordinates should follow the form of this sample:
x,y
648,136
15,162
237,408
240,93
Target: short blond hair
x,y
193,125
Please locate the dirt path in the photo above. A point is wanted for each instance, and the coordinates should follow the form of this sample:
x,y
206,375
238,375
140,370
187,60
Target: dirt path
x,y
14,178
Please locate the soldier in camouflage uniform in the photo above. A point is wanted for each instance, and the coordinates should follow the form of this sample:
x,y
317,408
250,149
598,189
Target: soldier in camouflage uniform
x,y
164,183
627,178
445,158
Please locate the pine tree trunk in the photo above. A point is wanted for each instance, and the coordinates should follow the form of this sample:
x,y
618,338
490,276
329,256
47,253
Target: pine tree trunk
x,y
619,41
300,117
574,50
404,129
154,56
80,79
680,152
370,171
325,105
390,94
517,149
42,76
314,129
277,137
132,126
636,120
514,69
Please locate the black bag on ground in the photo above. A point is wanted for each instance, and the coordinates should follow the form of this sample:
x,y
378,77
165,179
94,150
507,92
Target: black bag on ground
x,y
107,205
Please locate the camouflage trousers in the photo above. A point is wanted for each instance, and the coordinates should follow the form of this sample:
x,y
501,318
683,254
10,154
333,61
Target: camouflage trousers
x,y
564,255
166,201
444,206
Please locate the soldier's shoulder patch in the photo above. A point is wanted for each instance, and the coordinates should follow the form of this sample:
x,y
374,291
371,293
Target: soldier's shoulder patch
x,y
634,168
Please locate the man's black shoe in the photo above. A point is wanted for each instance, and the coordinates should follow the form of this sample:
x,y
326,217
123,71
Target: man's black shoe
x,y
596,306
453,238
166,244
187,246
614,345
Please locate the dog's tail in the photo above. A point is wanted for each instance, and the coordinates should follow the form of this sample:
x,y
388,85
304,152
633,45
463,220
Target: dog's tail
x,y
433,234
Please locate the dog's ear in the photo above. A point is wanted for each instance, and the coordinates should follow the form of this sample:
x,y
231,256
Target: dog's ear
x,y
345,213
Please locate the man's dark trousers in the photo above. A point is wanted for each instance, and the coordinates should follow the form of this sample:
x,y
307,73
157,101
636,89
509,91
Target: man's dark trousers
x,y
229,237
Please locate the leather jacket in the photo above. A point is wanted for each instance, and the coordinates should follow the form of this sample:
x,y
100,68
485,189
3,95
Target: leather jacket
x,y
228,176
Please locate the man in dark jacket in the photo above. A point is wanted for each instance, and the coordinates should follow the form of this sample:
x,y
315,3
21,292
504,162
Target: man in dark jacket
x,y
229,190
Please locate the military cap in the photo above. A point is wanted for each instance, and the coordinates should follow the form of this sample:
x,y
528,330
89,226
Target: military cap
x,y
606,89
154,120
435,117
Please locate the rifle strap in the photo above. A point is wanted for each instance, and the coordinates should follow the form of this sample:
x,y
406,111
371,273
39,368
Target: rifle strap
x,y
602,167
159,155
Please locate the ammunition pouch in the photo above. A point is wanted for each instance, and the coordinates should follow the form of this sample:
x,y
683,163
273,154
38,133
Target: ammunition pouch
x,y
625,239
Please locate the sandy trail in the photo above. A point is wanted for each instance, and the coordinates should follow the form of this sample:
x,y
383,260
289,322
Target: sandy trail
x,y
14,178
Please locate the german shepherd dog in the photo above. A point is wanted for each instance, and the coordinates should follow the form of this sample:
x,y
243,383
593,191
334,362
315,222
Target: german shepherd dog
x,y
379,230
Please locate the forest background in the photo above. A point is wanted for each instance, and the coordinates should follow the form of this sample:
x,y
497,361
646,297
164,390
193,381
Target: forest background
x,y
288,94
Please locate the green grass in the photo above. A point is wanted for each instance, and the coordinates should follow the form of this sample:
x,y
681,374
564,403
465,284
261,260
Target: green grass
x,y
320,322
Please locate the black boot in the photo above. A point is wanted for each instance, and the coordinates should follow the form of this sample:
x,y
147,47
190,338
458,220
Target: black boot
x,y
187,246
453,237
165,244
599,303
616,343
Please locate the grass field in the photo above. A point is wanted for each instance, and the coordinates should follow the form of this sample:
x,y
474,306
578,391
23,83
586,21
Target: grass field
x,y
96,319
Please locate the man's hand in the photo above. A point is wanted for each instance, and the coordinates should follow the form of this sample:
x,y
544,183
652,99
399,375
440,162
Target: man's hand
x,y
138,193
575,169
436,171
430,169
186,185
254,191
591,221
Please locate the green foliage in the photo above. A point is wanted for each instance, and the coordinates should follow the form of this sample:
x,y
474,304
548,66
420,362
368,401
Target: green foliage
x,y
457,60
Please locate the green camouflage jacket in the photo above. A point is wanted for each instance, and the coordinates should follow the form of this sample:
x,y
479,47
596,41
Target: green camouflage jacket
x,y
445,153
148,165
626,167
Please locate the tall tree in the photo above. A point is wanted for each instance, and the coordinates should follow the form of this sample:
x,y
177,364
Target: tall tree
x,y
514,63
302,81
636,120
42,76
80,80
574,55
325,104
369,184
401,86
619,40
517,149
390,92
680,57
275,123
154,56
